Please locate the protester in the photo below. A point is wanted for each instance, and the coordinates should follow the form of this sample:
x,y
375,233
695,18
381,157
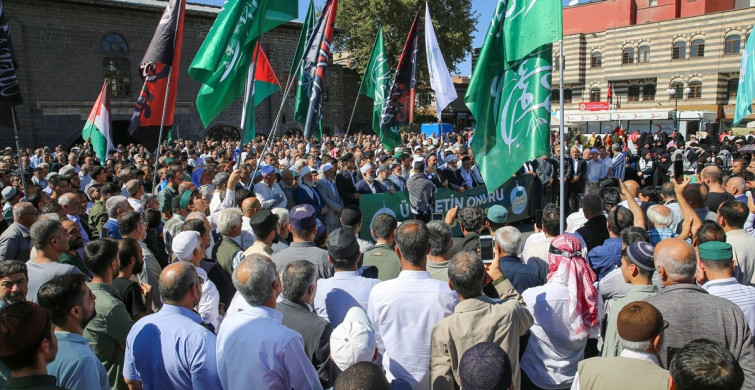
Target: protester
x,y
703,363
50,240
14,282
383,254
15,242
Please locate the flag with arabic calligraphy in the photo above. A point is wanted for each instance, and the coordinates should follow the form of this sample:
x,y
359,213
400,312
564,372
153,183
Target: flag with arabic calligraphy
x,y
222,63
400,108
510,95
376,84
308,104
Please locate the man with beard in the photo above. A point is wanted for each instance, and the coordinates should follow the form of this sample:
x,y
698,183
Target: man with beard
x,y
437,177
71,306
368,185
13,282
346,181
268,192
452,173
329,192
398,181
75,242
135,296
306,193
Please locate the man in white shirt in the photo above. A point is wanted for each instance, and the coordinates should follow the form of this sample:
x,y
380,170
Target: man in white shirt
x,y
405,310
276,361
187,246
268,192
535,251
732,215
346,289
135,192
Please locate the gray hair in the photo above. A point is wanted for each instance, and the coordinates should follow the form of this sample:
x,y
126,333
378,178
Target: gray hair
x,y
221,179
114,203
228,219
283,216
49,216
297,277
175,289
636,346
656,216
42,232
146,198
196,215
508,238
66,200
22,208
678,269
258,288
466,272
440,237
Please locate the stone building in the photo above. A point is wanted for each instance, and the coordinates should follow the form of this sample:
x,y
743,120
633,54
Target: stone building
x,y
65,49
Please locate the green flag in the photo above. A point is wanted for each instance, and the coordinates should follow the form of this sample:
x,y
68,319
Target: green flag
x,y
376,84
510,100
222,63
306,32
529,24
746,87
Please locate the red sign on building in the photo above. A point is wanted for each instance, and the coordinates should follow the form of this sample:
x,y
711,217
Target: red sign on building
x,y
593,106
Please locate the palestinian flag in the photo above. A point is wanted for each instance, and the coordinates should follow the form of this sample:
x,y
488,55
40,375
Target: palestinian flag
x,y
97,128
265,84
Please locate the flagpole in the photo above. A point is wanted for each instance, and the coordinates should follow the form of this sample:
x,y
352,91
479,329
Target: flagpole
x,y
18,149
248,92
562,191
165,103
353,110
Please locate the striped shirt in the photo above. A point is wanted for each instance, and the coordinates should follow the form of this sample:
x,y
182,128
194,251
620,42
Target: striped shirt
x,y
743,296
619,166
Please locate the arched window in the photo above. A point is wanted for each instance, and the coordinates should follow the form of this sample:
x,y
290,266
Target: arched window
x,y
595,94
697,48
695,89
116,68
627,55
114,43
643,53
596,59
731,88
648,93
679,87
678,51
634,93
731,44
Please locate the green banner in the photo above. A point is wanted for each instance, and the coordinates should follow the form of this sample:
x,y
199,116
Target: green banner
x,y
516,195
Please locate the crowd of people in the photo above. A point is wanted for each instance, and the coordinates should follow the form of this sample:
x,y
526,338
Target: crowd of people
x,y
242,266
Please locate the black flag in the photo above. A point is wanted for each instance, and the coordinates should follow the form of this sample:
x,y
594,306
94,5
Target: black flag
x,y
400,108
10,92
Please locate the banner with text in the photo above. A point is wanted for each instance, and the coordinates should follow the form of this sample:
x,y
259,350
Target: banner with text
x,y
516,195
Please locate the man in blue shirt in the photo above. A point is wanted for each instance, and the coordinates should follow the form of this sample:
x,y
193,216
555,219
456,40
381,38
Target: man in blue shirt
x,y
606,257
71,306
172,349
522,276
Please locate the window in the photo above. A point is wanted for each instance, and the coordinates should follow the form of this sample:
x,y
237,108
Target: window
x,y
653,3
731,44
555,95
567,96
627,55
731,88
634,93
679,87
596,59
697,49
648,93
695,89
595,94
643,54
678,50
116,72
114,43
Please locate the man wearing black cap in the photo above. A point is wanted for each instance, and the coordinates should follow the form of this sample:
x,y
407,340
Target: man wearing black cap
x,y
640,327
346,181
351,219
303,228
265,226
346,289
27,344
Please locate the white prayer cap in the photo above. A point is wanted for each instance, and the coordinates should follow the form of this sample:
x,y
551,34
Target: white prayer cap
x,y
184,245
365,168
353,340
451,157
326,167
305,170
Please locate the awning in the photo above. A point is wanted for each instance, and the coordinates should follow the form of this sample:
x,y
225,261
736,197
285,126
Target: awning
x,y
576,116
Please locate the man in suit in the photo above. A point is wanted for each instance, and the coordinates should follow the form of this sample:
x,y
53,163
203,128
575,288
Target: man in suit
x,y
346,181
15,242
368,184
299,280
452,174
396,178
115,206
329,195
306,193
576,171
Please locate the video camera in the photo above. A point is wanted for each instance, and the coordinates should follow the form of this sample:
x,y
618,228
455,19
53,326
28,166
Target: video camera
x,y
610,192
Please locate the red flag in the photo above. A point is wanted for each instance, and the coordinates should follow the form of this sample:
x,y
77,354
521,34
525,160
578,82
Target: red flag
x,y
159,70
400,108
609,93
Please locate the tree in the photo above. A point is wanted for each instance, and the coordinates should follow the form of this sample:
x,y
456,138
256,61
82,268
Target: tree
x,y
358,21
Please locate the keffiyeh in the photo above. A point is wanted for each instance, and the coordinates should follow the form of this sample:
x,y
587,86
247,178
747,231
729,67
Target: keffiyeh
x,y
567,265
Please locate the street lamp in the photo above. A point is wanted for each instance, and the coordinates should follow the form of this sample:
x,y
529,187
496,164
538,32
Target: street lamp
x,y
672,91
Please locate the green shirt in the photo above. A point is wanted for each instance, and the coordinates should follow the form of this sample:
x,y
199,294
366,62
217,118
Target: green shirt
x,y
108,331
74,260
97,218
611,345
438,270
384,257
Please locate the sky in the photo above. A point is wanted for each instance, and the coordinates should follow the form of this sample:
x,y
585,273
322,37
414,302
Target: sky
x,y
484,9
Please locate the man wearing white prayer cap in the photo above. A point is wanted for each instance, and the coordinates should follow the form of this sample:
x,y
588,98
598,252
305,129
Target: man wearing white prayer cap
x,y
187,246
368,184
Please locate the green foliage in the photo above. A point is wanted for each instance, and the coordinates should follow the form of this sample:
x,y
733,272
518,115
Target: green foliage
x,y
358,21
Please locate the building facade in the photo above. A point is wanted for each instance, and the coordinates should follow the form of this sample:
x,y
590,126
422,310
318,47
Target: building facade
x,y
65,49
633,53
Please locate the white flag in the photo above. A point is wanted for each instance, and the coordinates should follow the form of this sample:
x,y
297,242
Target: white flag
x,y
440,79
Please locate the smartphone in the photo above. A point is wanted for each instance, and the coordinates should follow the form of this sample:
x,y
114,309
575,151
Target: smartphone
x,y
678,171
437,216
486,248
539,219
104,233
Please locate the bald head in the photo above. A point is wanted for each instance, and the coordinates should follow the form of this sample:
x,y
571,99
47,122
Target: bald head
x,y
176,281
711,174
633,187
250,206
676,261
735,185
